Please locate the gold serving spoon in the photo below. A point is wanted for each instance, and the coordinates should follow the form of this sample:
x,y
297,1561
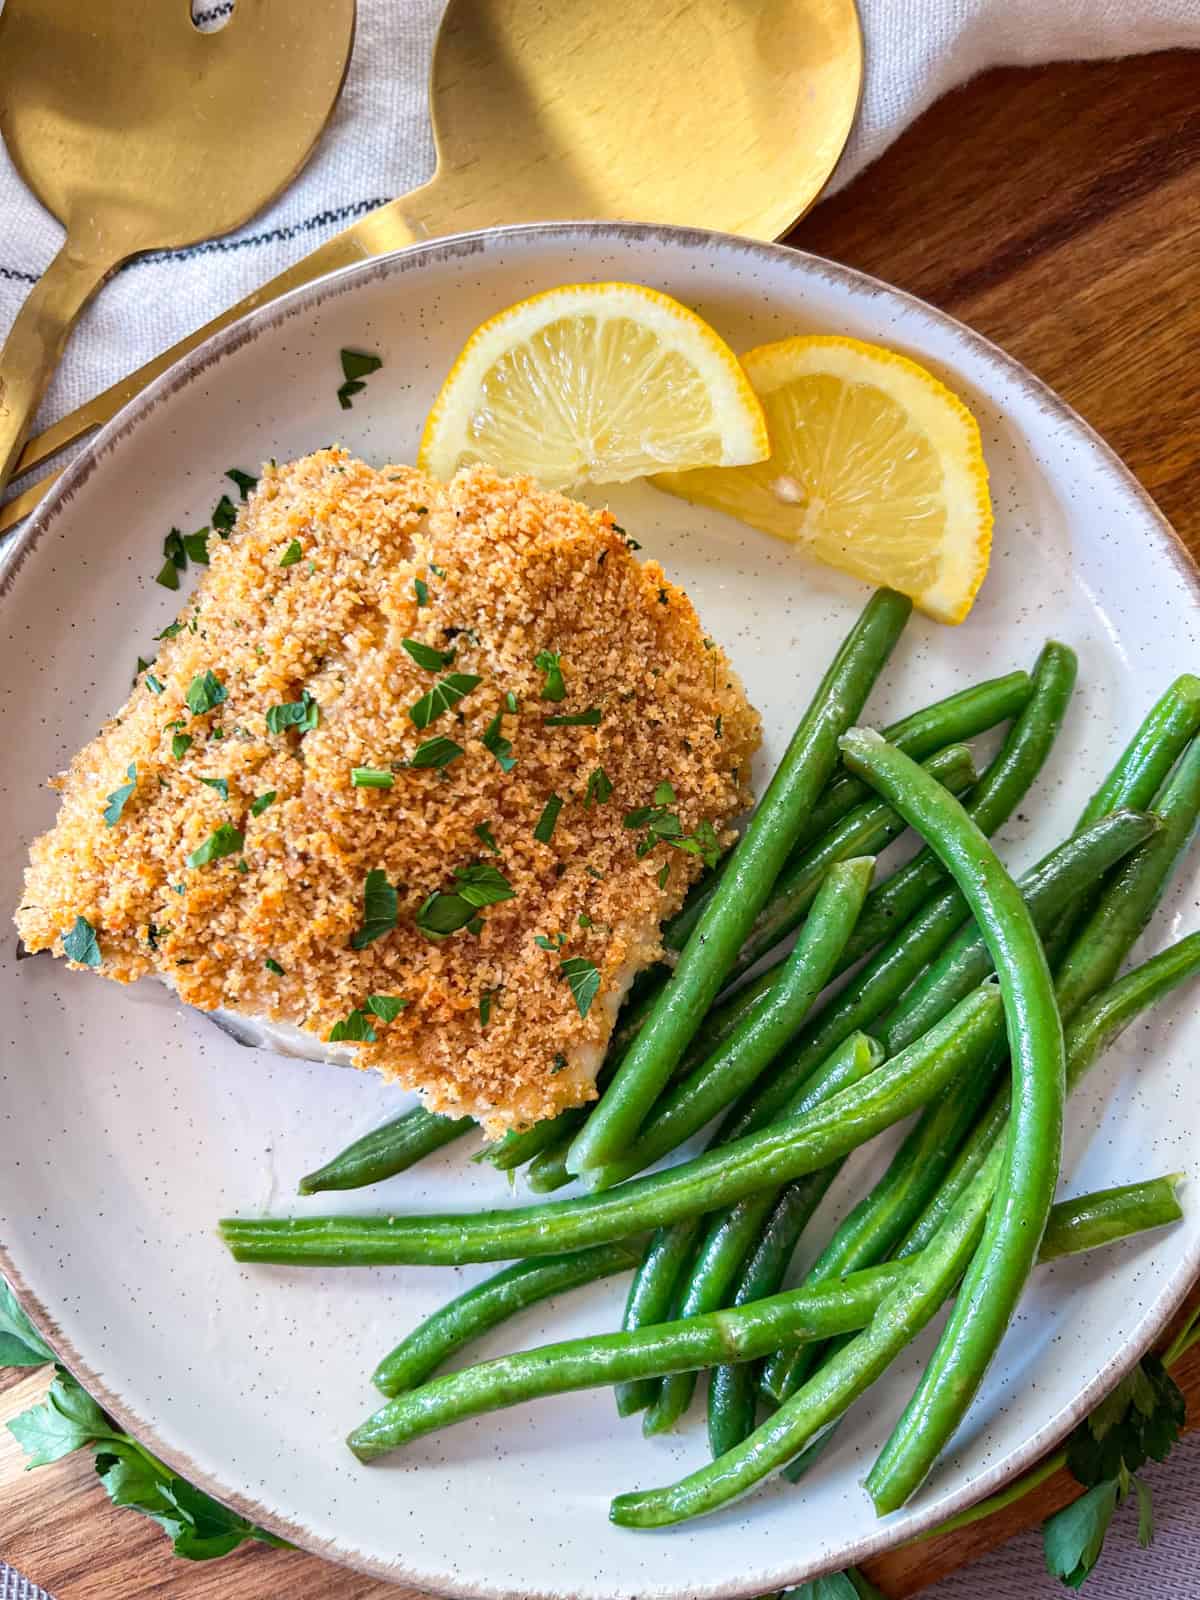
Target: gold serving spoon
x,y
726,114
139,132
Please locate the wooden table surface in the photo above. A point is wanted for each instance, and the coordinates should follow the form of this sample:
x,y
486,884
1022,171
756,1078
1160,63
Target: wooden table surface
x,y
1057,211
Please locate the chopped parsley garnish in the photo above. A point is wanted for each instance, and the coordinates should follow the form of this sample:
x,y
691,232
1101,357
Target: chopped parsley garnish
x,y
584,980
181,743
585,921
664,794
304,714
292,554
116,800
593,873
221,785
599,788
356,1027
387,1007
664,826
486,1000
155,685
142,664
436,752
243,866
444,696
356,365
703,843
381,904
224,516
170,630
173,549
498,745
421,590
484,834
577,719
553,941
370,778
196,545
554,688
273,966
510,702
544,831
719,727
205,693
440,571
81,944
243,480
426,656
225,841
664,873
630,542
168,575
261,802
475,887
560,1062
663,599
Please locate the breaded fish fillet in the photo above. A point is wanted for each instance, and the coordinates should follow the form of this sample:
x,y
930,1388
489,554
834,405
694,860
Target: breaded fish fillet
x,y
419,767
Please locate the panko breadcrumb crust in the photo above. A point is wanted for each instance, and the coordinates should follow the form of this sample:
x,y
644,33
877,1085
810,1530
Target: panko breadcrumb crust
x,y
508,571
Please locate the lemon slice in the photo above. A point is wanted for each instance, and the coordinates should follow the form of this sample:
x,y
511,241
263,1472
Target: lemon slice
x,y
876,468
594,383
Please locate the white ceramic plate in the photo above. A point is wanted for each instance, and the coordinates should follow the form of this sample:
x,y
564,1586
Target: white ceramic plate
x,y
127,1127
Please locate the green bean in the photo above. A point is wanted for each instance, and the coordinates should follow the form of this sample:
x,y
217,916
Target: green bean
x,y
921,734
517,1148
787,1150
1109,1214
697,1342
913,1446
479,1309
1143,766
548,1171
1003,786
386,1150
1138,885
745,885
743,1057
1025,1187
656,1285
866,830
731,1233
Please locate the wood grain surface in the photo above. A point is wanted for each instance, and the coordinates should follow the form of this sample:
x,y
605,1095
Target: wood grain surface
x,y
1058,212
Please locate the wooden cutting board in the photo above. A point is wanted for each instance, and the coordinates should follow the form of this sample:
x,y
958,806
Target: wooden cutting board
x,y
1057,211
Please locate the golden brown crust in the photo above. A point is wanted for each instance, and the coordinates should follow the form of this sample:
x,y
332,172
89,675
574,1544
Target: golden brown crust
x,y
524,571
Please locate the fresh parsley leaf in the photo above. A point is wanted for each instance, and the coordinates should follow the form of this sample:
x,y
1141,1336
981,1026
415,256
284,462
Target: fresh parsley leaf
x,y
221,785
170,630
303,714
168,575
1140,1420
346,393
273,966
486,1001
243,480
81,944
153,684
849,1585
381,905
554,687
544,831
356,1027
495,742
577,719
292,554
510,702
116,800
205,693
436,752
444,696
359,364
426,656
599,788
21,1345
181,743
387,1007
175,550
67,1419
142,664
261,802
554,941
421,590
444,914
484,834
664,795
223,841
584,980
370,778
483,885
1073,1538
196,545
224,516
703,843
664,872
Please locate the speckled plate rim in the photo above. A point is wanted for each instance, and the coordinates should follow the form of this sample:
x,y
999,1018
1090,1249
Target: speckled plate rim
x,y
885,1534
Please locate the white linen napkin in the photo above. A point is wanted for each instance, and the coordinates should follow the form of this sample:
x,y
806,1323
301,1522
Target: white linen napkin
x,y
379,145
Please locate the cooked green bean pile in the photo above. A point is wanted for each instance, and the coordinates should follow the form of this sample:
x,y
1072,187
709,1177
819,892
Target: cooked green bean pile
x,y
979,1003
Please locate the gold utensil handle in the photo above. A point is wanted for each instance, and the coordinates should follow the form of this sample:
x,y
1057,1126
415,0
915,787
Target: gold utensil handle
x,y
35,342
